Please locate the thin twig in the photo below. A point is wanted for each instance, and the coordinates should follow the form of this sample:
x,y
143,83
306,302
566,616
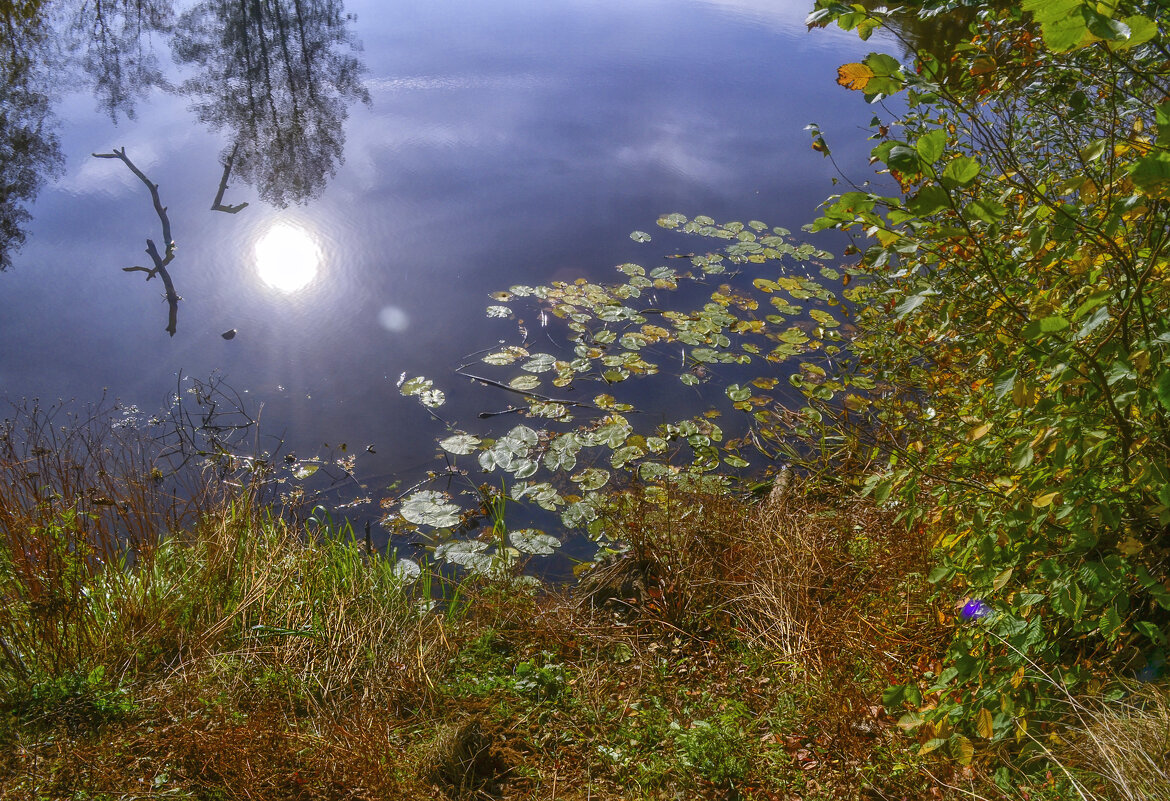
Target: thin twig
x,y
527,393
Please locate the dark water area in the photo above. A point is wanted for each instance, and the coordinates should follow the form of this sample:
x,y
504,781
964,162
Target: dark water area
x,y
428,152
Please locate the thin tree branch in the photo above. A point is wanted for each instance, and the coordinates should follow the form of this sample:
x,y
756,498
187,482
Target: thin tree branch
x,y
218,204
160,262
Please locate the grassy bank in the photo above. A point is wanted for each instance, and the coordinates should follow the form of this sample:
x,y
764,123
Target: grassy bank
x,y
737,650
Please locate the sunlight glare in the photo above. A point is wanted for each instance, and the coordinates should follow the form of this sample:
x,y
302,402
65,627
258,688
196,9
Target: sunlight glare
x,y
287,257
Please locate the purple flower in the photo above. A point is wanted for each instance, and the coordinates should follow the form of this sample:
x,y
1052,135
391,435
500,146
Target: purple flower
x,y
974,609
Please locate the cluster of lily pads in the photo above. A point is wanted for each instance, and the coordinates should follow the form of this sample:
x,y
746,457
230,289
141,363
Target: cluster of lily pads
x,y
763,309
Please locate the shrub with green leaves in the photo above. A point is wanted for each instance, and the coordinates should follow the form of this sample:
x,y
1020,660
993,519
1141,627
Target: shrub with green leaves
x,y
1016,315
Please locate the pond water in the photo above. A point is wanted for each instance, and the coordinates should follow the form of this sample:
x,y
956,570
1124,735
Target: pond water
x,y
400,161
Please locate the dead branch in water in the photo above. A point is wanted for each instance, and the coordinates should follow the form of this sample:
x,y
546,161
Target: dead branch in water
x,y
218,204
160,262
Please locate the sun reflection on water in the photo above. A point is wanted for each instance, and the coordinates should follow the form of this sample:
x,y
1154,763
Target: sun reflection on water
x,y
287,257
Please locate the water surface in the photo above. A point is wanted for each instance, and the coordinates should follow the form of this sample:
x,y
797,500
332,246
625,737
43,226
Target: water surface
x,y
465,147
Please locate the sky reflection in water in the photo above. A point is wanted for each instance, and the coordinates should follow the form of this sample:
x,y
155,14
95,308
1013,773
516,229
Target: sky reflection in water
x,y
503,143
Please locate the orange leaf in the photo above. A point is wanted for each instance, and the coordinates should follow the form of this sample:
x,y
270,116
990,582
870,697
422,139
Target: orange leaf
x,y
854,76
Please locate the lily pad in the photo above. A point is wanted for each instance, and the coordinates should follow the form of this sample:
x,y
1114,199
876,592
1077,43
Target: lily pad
x,y
539,363
430,508
471,554
591,478
460,444
532,541
406,571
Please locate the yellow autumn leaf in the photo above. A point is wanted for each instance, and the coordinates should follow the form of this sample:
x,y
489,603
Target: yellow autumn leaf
x,y
984,725
962,749
1130,546
979,432
1041,501
1017,677
854,76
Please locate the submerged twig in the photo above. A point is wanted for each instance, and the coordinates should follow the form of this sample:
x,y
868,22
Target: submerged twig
x,y
160,261
527,393
218,204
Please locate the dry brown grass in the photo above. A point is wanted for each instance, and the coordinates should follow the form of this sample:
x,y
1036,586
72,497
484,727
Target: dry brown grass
x,y
802,574
1125,744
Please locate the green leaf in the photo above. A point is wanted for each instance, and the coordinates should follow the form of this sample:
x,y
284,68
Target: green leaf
x,y
1162,389
406,571
640,236
931,146
910,721
1022,456
1093,150
902,158
930,199
629,453
1151,174
1095,321
939,573
1004,383
883,65
560,460
931,745
1150,631
961,171
910,304
1104,27
987,210
738,393
1045,325
1062,22
1141,30
1093,301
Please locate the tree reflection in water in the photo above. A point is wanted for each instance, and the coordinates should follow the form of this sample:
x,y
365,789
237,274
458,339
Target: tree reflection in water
x,y
29,150
277,75
111,41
